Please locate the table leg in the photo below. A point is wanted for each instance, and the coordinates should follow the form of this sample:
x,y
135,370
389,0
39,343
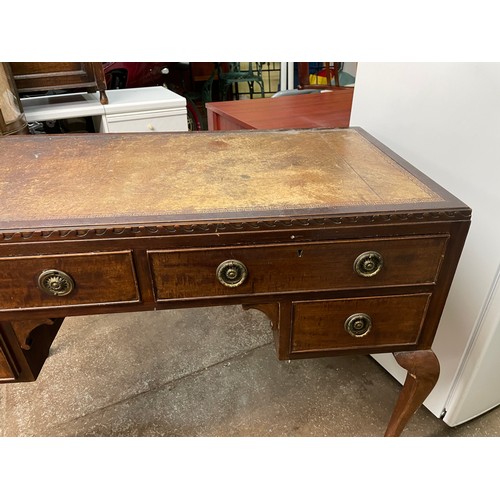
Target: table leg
x,y
24,347
103,98
423,373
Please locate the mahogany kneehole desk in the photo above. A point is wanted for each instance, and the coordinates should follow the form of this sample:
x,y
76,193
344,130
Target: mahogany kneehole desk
x,y
342,244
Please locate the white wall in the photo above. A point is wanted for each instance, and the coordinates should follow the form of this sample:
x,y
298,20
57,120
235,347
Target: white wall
x,y
444,118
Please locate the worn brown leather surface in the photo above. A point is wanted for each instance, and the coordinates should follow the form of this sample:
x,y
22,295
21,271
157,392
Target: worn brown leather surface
x,y
89,177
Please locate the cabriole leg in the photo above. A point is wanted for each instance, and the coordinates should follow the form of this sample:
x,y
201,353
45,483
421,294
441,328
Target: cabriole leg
x,y
423,373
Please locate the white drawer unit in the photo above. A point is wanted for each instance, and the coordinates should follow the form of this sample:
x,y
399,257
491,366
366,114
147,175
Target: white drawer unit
x,y
147,109
152,121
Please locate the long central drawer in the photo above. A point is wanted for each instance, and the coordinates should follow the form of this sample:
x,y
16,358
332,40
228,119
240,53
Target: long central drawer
x,y
260,269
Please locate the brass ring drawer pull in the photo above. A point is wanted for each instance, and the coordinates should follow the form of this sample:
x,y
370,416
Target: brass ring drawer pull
x,y
232,273
54,282
368,264
358,325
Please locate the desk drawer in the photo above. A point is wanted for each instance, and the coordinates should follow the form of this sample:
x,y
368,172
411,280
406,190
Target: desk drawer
x,y
293,267
160,121
67,280
369,322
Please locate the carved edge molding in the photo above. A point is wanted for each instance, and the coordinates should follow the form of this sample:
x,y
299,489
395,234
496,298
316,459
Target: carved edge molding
x,y
228,227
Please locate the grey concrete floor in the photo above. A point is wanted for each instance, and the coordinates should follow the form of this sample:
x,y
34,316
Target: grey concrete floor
x,y
203,372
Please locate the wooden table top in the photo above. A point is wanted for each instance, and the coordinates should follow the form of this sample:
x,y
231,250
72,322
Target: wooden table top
x,y
91,179
325,110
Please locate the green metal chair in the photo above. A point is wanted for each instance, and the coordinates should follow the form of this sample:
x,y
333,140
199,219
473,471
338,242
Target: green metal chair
x,y
236,75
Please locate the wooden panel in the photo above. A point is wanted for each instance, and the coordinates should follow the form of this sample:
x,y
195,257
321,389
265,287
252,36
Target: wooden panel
x,y
32,69
99,278
287,268
38,76
6,372
221,122
396,321
9,371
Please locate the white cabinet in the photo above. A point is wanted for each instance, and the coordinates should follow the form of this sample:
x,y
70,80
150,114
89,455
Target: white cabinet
x,y
145,109
148,109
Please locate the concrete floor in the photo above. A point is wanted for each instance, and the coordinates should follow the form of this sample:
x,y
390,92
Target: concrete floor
x,y
203,372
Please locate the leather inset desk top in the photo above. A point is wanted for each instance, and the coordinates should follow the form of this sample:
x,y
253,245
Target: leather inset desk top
x,y
99,178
